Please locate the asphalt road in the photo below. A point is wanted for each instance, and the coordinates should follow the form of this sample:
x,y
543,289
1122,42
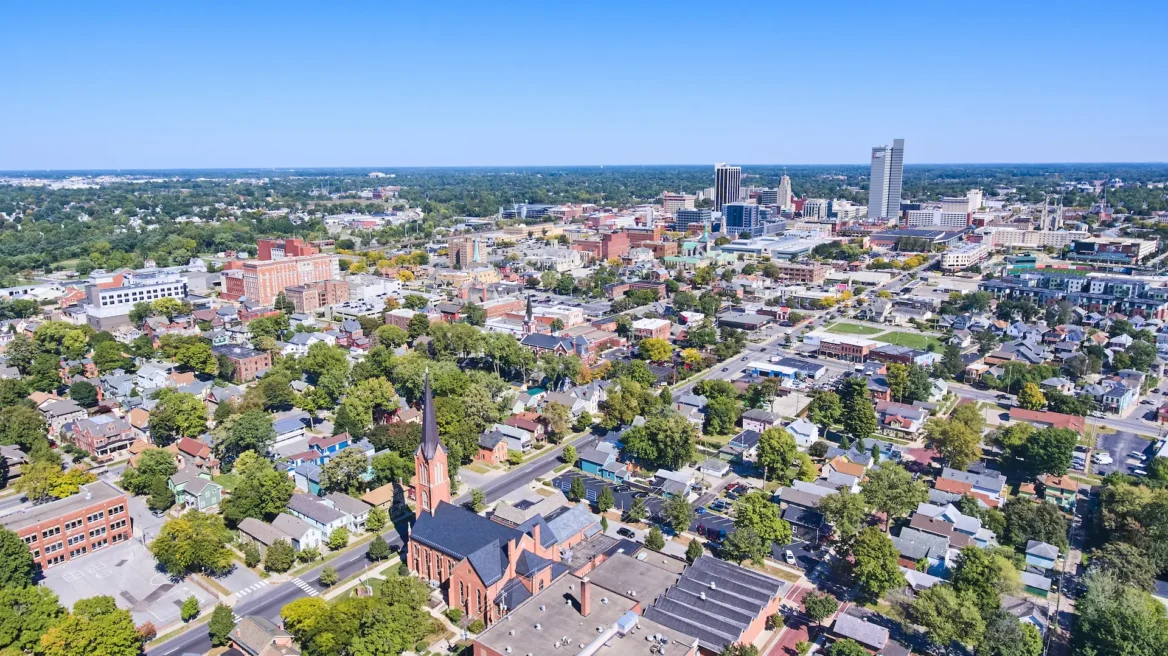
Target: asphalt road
x,y
268,602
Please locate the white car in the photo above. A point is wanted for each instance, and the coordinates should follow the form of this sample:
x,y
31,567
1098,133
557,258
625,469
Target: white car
x,y
1102,459
789,557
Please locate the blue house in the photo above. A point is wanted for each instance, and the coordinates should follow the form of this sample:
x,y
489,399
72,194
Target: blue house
x,y
600,460
1041,555
307,477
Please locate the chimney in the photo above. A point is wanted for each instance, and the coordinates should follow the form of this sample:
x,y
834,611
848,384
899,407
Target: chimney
x,y
585,596
535,537
512,556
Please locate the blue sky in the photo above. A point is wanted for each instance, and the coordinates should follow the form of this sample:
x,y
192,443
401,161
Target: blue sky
x,y
240,84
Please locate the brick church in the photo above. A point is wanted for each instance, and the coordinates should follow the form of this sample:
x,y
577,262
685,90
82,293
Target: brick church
x,y
483,566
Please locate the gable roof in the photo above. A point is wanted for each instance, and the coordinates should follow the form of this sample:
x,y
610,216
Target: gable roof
x,y
863,632
458,532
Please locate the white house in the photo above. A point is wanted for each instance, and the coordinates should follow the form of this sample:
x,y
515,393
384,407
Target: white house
x,y
804,432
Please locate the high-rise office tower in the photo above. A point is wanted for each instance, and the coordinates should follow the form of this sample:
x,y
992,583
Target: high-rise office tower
x,y
684,218
785,194
884,184
740,217
727,184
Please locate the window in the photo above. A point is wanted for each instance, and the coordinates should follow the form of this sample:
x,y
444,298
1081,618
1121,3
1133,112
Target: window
x,y
36,553
75,524
30,539
80,537
97,532
116,510
118,537
118,524
479,599
81,551
48,533
96,516
55,547
55,560
99,544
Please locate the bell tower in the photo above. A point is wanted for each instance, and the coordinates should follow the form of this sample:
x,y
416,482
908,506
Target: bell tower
x,y
431,480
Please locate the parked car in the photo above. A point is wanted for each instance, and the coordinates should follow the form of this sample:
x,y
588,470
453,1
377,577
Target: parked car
x,y
1138,455
626,532
789,557
1102,458
700,510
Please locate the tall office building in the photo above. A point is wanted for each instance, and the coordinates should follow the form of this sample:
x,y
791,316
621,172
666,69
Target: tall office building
x,y
884,185
465,250
740,217
727,184
684,218
815,209
785,194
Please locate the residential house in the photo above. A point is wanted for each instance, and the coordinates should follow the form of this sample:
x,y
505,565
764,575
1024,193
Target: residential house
x,y
1027,611
291,428
674,483
760,420
318,513
575,406
193,454
870,636
1035,584
916,546
492,448
743,446
1041,555
258,636
1040,419
261,534
306,477
1118,398
302,534
103,435
356,509
990,483
328,446
517,439
842,465
804,432
962,530
1061,385
530,422
601,460
1062,491
900,418
194,489
58,412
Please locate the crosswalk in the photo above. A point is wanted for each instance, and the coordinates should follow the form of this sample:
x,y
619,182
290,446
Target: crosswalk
x,y
308,589
251,588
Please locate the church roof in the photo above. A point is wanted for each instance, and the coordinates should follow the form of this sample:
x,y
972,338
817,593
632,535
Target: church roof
x,y
430,441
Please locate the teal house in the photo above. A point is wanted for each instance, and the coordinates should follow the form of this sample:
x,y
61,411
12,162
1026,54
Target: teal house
x,y
194,489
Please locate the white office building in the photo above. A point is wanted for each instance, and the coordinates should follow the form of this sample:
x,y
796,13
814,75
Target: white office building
x,y
887,178
727,184
815,209
964,256
785,196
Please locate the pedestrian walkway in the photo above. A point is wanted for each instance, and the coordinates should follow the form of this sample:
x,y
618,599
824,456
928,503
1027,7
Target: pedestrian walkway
x,y
251,588
308,589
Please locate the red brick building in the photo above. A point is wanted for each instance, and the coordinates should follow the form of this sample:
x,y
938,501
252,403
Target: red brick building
x,y
262,280
278,249
641,234
606,246
309,297
69,528
248,362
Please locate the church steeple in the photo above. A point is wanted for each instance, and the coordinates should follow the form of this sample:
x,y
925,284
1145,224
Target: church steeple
x,y
431,481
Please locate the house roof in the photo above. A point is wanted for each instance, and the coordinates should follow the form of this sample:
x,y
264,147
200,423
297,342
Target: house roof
x,y
291,525
915,545
572,522
379,495
311,507
261,532
842,465
490,440
255,634
1055,419
458,532
347,504
863,632
1042,550
1060,482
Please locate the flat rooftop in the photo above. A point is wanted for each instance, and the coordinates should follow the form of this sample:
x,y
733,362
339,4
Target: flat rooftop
x,y
552,619
89,495
645,578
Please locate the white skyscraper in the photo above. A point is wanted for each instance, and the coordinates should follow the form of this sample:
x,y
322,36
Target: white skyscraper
x,y
785,203
727,184
887,178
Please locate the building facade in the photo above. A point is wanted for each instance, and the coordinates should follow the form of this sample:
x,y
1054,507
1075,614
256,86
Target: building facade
x,y
315,295
887,177
738,218
69,528
261,281
727,185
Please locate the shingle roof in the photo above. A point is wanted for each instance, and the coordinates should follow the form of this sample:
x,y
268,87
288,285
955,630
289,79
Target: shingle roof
x,y
292,526
865,633
1042,550
262,532
347,504
458,532
572,522
916,545
310,507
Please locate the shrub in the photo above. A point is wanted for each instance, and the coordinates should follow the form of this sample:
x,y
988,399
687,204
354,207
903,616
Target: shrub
x,y
454,615
251,554
221,624
147,632
280,558
308,555
329,577
476,626
190,608
338,539
378,549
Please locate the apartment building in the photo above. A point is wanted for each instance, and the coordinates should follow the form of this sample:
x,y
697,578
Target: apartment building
x,y
801,273
1006,237
248,363
278,249
606,246
464,250
964,256
1103,294
261,281
314,295
69,528
673,202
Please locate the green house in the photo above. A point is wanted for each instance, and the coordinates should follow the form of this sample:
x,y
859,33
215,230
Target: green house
x,y
194,489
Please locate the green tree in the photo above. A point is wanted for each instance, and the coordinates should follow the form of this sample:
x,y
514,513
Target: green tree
x,y
846,512
777,451
858,415
655,540
891,490
22,426
846,647
677,513
16,564
84,393
721,416
655,350
189,609
378,519
951,363
636,511
197,356
418,325
26,613
345,471
1117,619
576,490
1005,635
329,577
178,414
478,500
1126,563
744,544
605,500
984,576
391,336
756,512
338,539
876,563
161,498
391,467
897,378
806,471
662,441
819,606
194,542
262,492
221,625
378,549
947,617
96,626
1028,520
251,431
251,554
570,455
558,418
280,558
1047,451
694,550
955,441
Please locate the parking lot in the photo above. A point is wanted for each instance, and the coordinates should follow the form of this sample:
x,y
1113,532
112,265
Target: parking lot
x,y
127,573
1119,445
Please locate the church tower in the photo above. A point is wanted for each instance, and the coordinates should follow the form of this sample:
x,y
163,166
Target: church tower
x,y
431,480
529,321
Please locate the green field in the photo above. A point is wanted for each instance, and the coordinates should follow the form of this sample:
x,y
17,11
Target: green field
x,y
911,340
853,329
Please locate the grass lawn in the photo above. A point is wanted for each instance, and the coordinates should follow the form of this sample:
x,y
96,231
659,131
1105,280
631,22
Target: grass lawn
x,y
479,468
853,329
911,340
228,481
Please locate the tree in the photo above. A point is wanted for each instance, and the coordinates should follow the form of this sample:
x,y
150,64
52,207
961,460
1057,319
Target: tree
x,y
984,576
251,431
987,341
576,490
737,648
558,417
198,357
677,513
95,627
1031,397
84,393
846,512
655,540
194,542
662,441
890,489
858,415
605,500
1047,451
756,512
338,539
16,564
947,617
43,480
221,625
189,609
281,556
721,415
955,441
744,544
1116,619
1005,635
655,350
262,492
391,467
897,379
636,511
1028,520
378,519
378,549
819,606
846,647
26,613
345,472
391,336
22,426
478,500
570,455
776,452
418,325
806,471
328,577
251,554
876,563
694,550
1126,563
178,414
951,363
161,498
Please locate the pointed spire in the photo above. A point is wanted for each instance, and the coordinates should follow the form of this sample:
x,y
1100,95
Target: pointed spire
x,y
530,313
430,441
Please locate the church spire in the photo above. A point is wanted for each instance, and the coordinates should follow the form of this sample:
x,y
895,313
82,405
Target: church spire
x,y
530,313
430,441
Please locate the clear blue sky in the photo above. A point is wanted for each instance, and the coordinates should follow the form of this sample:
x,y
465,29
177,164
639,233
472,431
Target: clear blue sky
x,y
287,84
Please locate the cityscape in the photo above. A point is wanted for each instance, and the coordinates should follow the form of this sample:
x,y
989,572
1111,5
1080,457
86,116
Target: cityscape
x,y
730,404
